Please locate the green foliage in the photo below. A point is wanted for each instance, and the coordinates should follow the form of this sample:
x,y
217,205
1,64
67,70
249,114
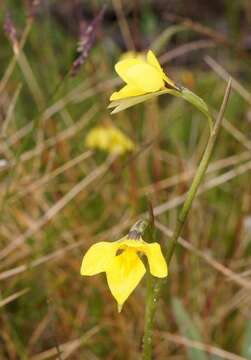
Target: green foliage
x,y
188,329
246,347
42,168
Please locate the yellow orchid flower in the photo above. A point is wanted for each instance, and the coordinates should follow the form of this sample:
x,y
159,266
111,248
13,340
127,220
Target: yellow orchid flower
x,y
145,79
121,261
142,76
110,139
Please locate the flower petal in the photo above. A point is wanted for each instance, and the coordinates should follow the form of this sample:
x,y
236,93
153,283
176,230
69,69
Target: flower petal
x,y
97,138
151,59
145,76
125,92
122,67
124,274
156,260
98,258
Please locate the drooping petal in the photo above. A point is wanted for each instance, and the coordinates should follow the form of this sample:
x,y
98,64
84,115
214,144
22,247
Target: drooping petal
x,y
151,59
125,92
156,260
123,275
145,76
98,258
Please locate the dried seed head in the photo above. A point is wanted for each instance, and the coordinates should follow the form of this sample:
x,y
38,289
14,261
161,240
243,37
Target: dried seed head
x,y
10,31
86,41
34,7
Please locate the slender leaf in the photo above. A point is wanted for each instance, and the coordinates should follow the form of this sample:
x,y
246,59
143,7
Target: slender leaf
x,y
188,329
246,347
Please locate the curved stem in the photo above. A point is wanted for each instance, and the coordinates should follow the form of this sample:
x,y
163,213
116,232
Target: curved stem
x,y
153,289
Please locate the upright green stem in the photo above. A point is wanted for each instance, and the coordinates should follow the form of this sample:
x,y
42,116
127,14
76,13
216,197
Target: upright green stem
x,y
150,296
150,302
153,289
198,176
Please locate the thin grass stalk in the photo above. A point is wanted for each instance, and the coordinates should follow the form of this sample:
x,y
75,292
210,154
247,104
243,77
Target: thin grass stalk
x,y
154,291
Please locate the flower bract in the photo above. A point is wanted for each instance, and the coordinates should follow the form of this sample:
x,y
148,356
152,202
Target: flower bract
x,y
122,262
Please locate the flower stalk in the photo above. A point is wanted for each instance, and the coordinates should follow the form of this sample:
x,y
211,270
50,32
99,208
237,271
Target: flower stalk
x,y
150,296
153,290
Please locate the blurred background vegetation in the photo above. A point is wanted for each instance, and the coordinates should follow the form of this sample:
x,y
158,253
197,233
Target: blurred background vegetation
x,y
58,197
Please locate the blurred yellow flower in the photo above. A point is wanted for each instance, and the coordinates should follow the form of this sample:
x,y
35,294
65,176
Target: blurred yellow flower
x,y
110,139
141,75
121,262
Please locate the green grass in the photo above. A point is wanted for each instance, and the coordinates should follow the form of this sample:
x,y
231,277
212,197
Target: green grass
x,y
202,303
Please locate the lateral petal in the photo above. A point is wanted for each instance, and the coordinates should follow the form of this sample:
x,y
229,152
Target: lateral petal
x,y
125,92
123,275
98,258
156,260
151,59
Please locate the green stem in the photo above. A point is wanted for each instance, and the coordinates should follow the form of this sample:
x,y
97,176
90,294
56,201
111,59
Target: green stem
x,y
198,177
150,302
154,289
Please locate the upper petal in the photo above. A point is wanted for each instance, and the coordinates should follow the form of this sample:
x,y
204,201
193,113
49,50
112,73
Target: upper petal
x,y
123,275
98,258
156,260
151,59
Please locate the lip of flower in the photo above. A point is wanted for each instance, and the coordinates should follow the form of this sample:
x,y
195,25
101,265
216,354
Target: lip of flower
x,y
141,77
121,262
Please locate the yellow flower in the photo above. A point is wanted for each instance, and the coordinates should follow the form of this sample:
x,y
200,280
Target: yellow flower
x,y
110,139
121,261
142,76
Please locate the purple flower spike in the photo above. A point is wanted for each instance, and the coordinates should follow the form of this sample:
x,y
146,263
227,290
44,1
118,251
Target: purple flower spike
x,y
10,30
34,7
86,41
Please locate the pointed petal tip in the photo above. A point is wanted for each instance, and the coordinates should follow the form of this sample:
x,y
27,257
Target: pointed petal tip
x,y
119,307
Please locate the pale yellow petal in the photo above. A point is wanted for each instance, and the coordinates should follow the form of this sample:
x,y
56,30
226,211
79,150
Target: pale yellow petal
x,y
146,77
98,137
156,260
125,92
98,258
123,275
151,59
120,143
